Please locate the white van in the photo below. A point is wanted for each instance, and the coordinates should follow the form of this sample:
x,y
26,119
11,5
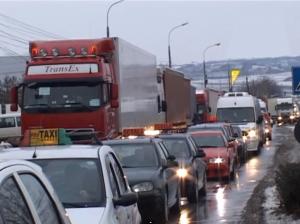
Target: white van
x,y
243,109
10,126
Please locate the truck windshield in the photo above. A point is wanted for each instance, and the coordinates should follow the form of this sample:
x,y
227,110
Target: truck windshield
x,y
284,106
67,96
236,115
136,155
85,190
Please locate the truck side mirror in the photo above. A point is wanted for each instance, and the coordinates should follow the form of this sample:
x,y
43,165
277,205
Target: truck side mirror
x,y
114,104
209,109
14,98
114,92
164,106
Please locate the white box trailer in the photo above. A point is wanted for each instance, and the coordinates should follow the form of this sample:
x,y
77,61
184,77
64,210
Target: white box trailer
x,y
137,77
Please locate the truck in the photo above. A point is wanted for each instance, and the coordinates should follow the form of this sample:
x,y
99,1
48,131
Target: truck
x,y
102,87
286,110
206,104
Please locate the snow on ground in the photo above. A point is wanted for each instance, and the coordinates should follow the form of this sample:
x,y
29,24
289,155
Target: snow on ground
x,y
271,206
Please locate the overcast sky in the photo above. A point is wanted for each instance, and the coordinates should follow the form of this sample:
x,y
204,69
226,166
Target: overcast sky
x,y
246,29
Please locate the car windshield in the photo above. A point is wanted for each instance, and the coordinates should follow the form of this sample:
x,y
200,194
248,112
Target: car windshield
x,y
209,141
136,155
77,182
236,115
63,96
177,147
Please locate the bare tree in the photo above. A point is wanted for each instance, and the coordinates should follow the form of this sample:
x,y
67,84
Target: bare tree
x,y
262,88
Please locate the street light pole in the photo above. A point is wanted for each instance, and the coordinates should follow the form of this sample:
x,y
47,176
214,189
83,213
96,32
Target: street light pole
x,y
169,40
107,15
204,67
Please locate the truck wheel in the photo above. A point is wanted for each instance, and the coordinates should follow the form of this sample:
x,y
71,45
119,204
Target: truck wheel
x,y
192,192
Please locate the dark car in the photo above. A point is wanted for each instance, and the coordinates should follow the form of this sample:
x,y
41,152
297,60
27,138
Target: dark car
x,y
192,168
242,147
152,173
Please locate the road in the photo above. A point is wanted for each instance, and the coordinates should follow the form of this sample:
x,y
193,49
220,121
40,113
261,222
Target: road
x,y
224,203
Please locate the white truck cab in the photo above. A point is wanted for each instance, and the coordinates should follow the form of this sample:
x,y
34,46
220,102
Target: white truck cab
x,y
88,180
242,109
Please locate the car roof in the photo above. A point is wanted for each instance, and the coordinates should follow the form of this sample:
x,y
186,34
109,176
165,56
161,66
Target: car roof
x,y
131,141
48,152
207,132
182,135
5,164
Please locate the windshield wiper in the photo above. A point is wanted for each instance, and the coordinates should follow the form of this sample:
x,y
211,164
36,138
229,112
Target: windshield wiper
x,y
79,104
74,205
130,166
37,105
207,146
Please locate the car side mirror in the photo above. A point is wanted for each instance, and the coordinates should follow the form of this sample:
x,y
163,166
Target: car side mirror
x,y
169,163
171,158
126,199
259,119
200,153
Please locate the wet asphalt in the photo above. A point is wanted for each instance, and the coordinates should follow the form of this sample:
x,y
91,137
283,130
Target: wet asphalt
x,y
225,202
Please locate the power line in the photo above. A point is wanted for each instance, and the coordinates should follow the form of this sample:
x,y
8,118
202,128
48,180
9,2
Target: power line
x,y
30,27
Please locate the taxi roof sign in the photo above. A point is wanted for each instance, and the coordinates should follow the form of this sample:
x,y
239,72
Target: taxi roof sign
x,y
50,136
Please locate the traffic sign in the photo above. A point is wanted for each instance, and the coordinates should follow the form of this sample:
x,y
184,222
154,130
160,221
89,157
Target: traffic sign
x,y
296,80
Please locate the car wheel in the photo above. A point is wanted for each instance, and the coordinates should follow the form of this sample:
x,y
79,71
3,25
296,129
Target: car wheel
x,y
163,212
176,206
202,191
192,191
233,172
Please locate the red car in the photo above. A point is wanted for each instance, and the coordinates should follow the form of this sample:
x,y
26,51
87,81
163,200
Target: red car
x,y
219,153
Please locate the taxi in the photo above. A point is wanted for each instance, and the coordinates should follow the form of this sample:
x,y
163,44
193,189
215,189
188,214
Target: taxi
x,y
88,179
26,196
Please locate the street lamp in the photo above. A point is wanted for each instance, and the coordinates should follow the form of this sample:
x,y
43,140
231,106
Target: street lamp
x,y
107,27
169,38
204,70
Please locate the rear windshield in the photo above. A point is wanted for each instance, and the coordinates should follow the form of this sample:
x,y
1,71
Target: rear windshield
x,y
177,147
77,182
136,155
209,141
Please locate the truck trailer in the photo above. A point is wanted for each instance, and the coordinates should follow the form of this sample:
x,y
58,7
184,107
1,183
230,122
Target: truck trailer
x,y
106,87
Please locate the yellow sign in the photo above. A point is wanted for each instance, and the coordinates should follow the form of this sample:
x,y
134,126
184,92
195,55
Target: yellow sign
x,y
44,137
234,74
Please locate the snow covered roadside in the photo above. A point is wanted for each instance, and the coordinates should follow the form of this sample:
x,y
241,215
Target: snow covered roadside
x,y
271,208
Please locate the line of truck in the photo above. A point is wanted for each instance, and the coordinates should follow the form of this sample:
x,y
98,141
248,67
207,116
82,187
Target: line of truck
x,y
108,87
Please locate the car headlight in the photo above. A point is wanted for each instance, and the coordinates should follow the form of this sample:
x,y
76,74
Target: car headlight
x,y
145,186
292,117
252,133
267,130
182,172
280,118
217,160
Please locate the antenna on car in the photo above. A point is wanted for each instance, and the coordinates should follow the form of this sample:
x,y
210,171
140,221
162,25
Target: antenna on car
x,y
34,153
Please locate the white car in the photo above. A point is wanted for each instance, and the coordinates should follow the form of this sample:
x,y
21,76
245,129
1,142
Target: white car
x,y
88,180
26,196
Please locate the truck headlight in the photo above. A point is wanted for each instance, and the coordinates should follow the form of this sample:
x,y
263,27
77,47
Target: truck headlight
x,y
279,118
217,160
182,172
145,186
252,134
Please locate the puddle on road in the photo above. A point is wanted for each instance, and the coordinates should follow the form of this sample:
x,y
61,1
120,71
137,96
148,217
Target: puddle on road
x,y
225,201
